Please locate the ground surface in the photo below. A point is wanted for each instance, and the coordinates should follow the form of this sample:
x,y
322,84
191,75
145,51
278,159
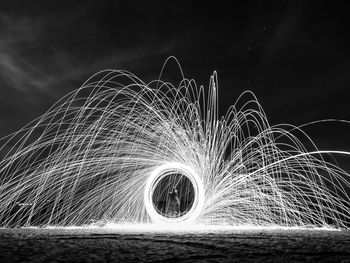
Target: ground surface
x,y
118,245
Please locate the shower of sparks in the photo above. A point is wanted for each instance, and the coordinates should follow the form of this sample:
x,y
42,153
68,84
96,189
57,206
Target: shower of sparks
x,y
89,158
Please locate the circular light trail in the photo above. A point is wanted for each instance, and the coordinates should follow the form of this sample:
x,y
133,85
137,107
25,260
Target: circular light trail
x,y
157,176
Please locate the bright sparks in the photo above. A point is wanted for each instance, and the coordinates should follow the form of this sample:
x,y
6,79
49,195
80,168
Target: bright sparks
x,y
98,154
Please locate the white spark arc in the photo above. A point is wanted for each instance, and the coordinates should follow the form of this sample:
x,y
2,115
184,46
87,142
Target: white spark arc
x,y
91,156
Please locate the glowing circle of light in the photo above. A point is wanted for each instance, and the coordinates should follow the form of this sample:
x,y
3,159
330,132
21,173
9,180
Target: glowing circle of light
x,y
156,176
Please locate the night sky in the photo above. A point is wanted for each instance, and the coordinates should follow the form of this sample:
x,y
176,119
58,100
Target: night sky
x,y
294,55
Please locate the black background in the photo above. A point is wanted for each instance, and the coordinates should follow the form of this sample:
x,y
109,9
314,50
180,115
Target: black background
x,y
294,55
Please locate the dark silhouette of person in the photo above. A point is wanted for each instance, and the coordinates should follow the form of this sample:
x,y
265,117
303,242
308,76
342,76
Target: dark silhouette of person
x,y
174,203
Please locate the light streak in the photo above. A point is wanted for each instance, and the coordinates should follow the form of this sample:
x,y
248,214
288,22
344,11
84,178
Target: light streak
x,y
99,153
198,201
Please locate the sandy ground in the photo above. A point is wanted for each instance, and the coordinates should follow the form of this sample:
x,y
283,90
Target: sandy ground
x,y
118,245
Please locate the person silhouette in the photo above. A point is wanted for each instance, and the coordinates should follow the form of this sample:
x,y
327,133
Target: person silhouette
x,y
174,203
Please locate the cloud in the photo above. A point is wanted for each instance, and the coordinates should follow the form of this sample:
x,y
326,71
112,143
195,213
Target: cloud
x,y
17,38
38,55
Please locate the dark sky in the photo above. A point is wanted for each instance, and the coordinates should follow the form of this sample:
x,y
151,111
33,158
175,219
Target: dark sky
x,y
294,55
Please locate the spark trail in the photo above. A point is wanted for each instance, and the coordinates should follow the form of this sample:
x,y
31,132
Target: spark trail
x,y
91,156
